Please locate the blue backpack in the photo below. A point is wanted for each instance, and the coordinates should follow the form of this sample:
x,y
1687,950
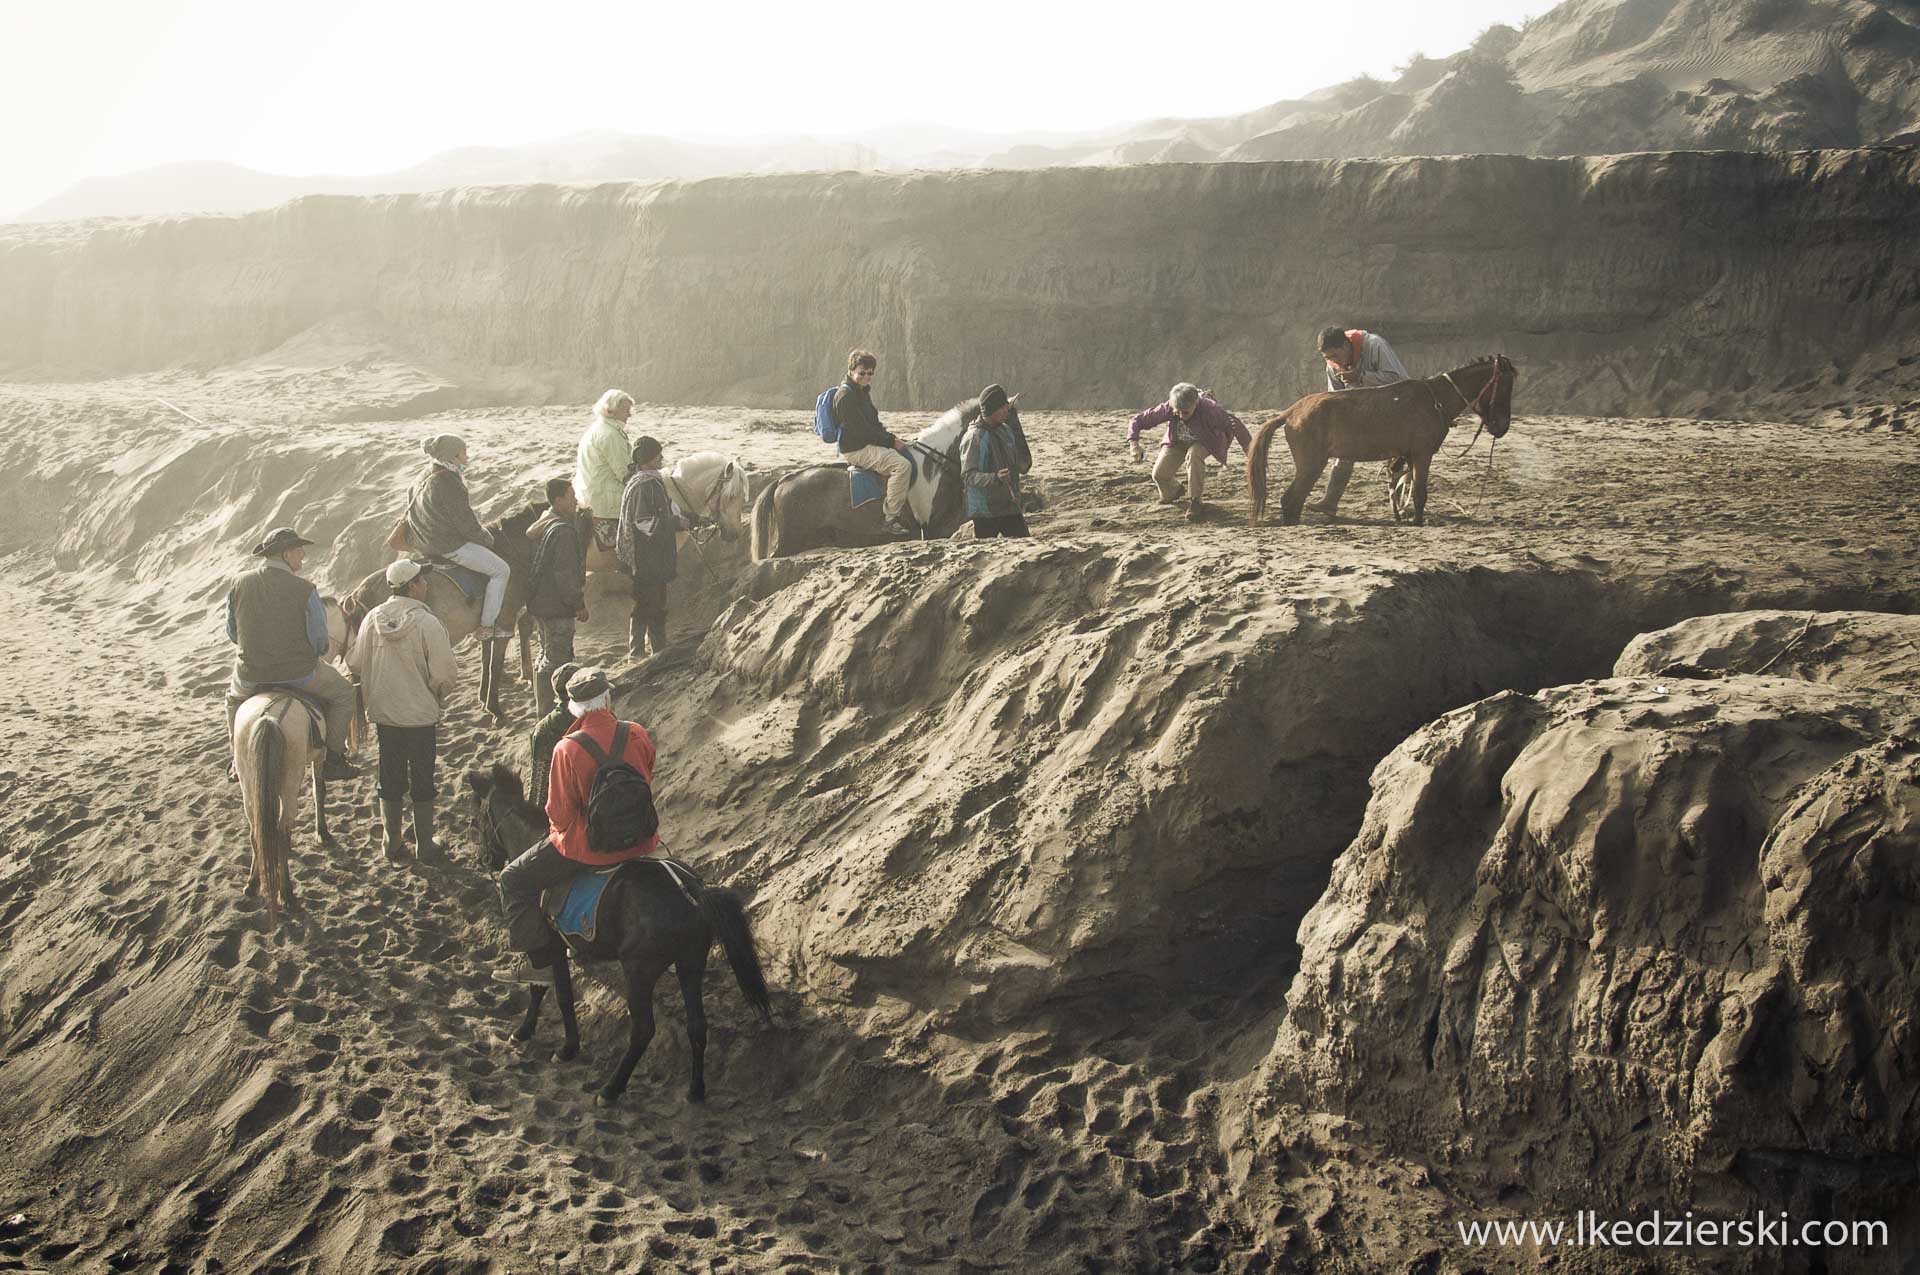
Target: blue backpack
x,y
823,422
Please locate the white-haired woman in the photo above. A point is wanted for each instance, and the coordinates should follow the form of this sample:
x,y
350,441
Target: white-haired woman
x,y
1197,427
600,473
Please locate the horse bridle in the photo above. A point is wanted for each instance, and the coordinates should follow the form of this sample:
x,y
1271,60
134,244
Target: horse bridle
x,y
713,492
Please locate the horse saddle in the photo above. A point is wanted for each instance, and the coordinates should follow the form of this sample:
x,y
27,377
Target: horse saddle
x,y
471,582
864,486
316,711
572,906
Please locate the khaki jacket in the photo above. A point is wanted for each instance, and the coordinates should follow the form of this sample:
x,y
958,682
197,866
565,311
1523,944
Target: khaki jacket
x,y
406,665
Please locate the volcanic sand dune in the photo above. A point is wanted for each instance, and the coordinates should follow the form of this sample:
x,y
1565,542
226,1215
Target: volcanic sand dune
x,y
1027,829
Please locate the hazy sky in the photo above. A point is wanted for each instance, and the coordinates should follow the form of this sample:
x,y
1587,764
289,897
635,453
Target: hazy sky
x,y
91,87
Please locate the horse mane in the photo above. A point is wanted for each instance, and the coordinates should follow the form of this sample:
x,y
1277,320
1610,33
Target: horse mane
x,y
963,414
507,780
516,524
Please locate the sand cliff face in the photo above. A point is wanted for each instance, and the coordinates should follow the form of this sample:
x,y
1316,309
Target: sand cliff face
x,y
1645,284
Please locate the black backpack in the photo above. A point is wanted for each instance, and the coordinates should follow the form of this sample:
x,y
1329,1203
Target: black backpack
x,y
620,813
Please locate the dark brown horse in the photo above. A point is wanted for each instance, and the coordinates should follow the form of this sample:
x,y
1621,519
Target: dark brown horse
x,y
1406,421
460,613
650,920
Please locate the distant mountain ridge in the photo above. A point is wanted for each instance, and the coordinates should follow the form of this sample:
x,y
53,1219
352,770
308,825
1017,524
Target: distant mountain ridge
x,y
1587,77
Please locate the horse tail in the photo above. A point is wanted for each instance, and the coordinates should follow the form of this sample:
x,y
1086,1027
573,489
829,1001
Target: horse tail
x,y
729,921
762,546
269,756
1257,467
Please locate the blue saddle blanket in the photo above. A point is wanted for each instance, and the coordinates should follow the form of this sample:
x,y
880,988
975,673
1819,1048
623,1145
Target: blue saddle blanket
x,y
574,906
864,486
471,582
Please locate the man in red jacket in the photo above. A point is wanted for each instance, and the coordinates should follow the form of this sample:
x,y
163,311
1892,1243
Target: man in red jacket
x,y
565,853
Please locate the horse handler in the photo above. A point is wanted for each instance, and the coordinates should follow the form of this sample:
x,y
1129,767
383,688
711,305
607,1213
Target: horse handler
x,y
993,456
277,620
565,852
1197,427
647,542
556,586
1355,359
407,668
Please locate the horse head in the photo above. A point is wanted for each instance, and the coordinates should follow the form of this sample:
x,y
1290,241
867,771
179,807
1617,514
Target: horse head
x,y
502,812
1494,406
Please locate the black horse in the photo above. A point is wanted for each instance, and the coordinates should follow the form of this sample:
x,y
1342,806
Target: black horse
x,y
647,923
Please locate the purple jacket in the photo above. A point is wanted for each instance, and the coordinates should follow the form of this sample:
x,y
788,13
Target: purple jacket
x,y
1213,427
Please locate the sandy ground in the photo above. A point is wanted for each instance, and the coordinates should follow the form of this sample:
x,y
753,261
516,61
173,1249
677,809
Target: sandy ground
x,y
186,1093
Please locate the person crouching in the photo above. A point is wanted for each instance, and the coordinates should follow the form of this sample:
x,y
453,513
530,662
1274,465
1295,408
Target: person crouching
x,y
407,670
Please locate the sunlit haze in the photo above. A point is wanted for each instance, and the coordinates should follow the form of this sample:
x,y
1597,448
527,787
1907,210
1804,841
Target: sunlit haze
x,y
93,88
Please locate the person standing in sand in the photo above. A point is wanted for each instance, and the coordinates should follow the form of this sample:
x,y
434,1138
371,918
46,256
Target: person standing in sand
x,y
600,465
1197,427
556,585
866,444
597,739
648,545
277,620
441,523
993,457
407,671
1355,358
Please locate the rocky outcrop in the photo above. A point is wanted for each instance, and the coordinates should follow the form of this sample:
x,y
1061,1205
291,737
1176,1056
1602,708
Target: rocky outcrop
x,y
1688,283
1632,940
1845,648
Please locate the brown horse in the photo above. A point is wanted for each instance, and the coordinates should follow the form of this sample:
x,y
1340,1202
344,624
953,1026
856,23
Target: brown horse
x,y
460,613
1406,421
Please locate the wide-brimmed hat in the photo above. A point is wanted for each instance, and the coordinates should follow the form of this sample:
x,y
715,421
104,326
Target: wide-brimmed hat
x,y
587,684
402,573
279,540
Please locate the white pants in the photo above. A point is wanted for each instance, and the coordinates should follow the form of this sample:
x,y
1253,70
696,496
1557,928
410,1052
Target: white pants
x,y
491,565
892,466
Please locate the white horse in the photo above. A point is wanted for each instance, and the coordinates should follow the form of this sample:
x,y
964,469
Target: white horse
x,y
704,485
272,747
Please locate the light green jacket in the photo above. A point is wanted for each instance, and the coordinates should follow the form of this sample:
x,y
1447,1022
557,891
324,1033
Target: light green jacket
x,y
600,474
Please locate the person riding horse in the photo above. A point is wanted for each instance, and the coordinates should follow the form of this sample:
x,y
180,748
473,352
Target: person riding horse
x,y
441,523
1355,358
565,851
277,620
867,444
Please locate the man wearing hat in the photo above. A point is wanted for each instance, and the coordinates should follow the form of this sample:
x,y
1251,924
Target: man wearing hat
x,y
1197,427
440,522
647,542
565,852
993,457
407,670
276,619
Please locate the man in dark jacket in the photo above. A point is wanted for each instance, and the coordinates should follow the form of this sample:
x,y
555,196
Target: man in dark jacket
x,y
866,443
278,622
648,545
440,522
993,459
556,585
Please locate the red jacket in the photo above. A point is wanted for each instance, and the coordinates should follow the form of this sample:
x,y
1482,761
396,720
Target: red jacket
x,y
571,779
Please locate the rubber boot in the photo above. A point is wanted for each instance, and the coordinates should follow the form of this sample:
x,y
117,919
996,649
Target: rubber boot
x,y
657,635
636,638
1336,487
396,848
425,848
542,692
